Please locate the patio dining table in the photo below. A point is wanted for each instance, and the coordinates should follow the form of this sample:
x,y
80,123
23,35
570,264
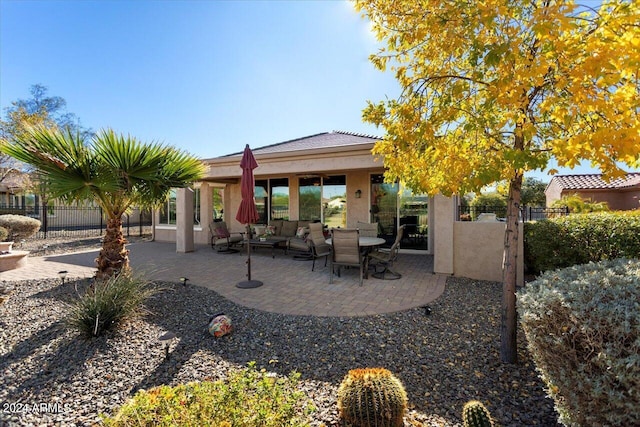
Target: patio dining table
x,y
367,242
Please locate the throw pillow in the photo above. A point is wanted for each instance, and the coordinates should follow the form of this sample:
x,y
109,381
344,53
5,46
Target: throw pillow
x,y
301,232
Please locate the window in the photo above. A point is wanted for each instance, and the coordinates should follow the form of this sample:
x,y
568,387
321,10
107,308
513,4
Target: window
x,y
218,204
334,201
279,198
384,205
168,209
261,196
310,199
324,199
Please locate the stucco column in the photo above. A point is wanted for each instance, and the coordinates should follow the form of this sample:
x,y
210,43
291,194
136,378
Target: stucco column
x,y
184,220
444,211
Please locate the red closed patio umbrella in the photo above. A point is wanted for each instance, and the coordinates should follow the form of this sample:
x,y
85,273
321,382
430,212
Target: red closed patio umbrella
x,y
247,212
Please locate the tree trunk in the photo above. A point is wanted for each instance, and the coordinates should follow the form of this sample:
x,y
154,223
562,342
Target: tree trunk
x,y
508,329
113,257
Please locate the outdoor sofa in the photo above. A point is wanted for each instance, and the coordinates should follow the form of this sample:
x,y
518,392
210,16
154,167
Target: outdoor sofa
x,y
292,235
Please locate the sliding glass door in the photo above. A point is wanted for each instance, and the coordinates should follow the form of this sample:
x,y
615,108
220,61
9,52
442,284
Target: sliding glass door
x,y
391,208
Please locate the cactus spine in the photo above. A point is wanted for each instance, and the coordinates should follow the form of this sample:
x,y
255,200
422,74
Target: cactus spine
x,y
474,414
372,397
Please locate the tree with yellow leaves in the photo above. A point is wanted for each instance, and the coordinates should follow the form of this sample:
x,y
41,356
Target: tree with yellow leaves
x,y
492,89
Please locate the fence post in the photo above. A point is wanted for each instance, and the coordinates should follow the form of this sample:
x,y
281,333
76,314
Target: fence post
x,y
128,219
45,226
101,215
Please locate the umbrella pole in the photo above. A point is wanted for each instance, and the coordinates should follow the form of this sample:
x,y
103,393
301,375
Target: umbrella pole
x,y
247,284
248,252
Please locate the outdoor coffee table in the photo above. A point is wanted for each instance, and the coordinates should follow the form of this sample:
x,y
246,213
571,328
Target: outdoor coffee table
x,y
257,243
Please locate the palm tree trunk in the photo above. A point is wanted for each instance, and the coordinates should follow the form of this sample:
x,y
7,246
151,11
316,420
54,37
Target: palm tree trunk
x,y
113,257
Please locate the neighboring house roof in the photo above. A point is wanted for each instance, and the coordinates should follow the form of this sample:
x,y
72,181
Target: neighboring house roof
x,y
595,182
320,140
14,181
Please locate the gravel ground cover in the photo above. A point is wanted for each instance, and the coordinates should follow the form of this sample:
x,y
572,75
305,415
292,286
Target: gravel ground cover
x,y
56,245
444,358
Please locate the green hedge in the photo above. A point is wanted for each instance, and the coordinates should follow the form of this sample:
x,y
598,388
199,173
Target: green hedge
x,y
583,331
581,238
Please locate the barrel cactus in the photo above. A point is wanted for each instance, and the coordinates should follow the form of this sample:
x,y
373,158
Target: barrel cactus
x,y
474,414
372,397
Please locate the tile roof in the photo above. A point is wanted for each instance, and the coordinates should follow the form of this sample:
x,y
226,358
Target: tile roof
x,y
320,140
595,181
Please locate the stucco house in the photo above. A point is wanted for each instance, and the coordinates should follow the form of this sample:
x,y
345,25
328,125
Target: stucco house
x,y
295,179
620,194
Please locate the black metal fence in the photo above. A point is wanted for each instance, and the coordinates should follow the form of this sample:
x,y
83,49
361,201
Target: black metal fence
x,y
527,213
71,221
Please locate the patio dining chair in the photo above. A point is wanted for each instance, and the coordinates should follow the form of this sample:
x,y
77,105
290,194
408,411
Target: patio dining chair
x,y
222,240
319,246
346,252
385,258
367,229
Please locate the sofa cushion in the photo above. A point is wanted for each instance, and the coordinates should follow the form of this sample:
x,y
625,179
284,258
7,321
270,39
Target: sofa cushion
x,y
289,228
304,223
299,244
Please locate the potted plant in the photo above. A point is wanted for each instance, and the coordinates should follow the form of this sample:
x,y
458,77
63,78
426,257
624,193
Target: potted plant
x,y
16,226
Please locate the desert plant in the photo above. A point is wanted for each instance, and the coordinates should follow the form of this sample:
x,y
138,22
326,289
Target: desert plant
x,y
583,331
371,397
474,414
19,226
577,204
114,171
4,233
246,398
109,302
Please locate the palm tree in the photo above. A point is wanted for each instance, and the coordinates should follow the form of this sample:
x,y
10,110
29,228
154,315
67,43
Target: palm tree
x,y
114,171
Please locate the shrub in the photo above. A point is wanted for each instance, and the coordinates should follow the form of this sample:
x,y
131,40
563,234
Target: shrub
x,y
579,239
108,303
577,204
488,203
246,398
582,326
4,233
19,226
372,397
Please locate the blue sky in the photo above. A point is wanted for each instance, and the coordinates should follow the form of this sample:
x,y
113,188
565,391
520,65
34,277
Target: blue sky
x,y
205,76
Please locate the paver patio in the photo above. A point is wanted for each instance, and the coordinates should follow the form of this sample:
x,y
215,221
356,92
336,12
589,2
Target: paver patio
x,y
290,287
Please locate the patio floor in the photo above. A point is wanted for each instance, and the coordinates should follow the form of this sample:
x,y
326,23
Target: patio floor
x,y
290,287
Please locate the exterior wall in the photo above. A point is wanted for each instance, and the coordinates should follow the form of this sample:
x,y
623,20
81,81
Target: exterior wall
x,y
615,199
443,244
469,249
479,250
358,209
184,220
553,192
